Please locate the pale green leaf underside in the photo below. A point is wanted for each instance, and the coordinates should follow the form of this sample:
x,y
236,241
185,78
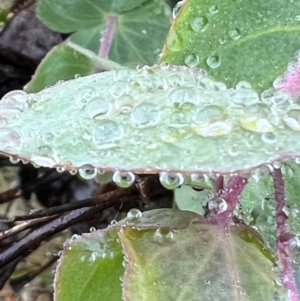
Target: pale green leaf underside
x,y
234,40
167,118
178,258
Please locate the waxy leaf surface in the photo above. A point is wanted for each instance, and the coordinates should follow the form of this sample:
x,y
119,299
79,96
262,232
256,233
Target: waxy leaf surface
x,y
160,118
236,40
180,257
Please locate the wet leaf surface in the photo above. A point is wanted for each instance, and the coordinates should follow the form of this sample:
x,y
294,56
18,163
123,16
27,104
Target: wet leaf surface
x,y
181,257
113,121
236,40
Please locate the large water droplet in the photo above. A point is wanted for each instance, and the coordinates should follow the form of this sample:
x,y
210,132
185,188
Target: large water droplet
x,y
218,128
181,96
14,160
260,172
87,172
97,107
16,100
118,89
9,139
145,114
48,138
199,24
45,150
191,60
123,179
171,180
107,134
163,236
134,214
235,34
208,114
213,61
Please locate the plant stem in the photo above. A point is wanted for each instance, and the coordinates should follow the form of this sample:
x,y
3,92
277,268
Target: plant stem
x,y
107,36
231,195
284,237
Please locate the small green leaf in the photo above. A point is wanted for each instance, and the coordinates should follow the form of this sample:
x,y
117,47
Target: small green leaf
x,y
90,268
236,40
154,119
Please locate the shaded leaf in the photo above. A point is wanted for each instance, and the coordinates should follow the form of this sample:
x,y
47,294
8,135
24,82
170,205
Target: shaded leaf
x,y
90,267
154,119
131,33
236,40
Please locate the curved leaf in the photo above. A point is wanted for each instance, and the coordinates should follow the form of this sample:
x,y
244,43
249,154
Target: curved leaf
x,y
236,40
155,119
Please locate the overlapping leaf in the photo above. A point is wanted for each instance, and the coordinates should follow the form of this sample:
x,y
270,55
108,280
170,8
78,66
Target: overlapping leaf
x,y
160,118
164,261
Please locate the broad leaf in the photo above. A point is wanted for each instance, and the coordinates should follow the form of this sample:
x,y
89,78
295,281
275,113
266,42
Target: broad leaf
x,y
178,256
131,33
160,118
236,40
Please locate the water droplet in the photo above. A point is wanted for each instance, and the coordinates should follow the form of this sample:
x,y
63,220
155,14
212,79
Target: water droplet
x,y
199,24
191,60
97,107
145,114
260,172
15,100
171,180
218,128
234,34
48,138
269,137
134,214
87,172
213,9
245,96
199,180
213,61
92,229
44,150
278,82
9,139
73,171
60,169
77,75
243,85
277,165
178,97
107,134
292,119
217,206
254,124
163,236
14,160
118,89
176,9
123,179
208,114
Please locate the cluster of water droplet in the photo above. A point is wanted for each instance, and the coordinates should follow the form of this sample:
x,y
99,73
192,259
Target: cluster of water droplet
x,y
161,118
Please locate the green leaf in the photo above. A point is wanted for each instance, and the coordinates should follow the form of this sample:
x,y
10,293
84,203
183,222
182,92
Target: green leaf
x,y
132,33
236,40
154,119
169,255
90,268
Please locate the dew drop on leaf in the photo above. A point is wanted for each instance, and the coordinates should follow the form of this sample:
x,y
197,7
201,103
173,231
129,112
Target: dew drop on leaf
x,y
292,119
199,24
107,134
234,34
217,205
171,180
14,160
87,172
118,89
97,107
213,61
213,9
176,9
145,114
123,179
191,60
269,137
134,214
